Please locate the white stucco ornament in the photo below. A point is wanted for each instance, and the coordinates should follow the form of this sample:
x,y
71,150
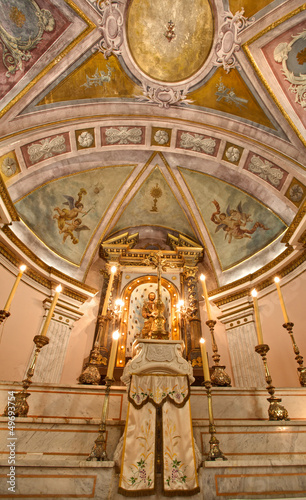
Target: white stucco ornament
x,y
228,42
292,56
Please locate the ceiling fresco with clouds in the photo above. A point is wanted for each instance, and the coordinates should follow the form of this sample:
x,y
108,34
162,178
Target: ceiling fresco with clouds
x,y
155,117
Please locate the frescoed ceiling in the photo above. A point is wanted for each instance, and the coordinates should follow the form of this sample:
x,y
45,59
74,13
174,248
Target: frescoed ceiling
x,y
157,117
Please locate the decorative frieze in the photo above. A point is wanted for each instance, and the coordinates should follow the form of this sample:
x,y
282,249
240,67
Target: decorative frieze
x,y
46,148
266,170
197,142
122,135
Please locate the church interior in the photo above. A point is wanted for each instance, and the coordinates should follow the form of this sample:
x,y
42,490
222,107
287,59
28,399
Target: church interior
x,y
152,338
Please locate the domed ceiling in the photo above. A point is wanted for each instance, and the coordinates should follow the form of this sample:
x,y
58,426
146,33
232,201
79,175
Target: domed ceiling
x,y
157,117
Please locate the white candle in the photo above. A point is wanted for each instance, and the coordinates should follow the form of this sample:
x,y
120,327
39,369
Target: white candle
x,y
204,360
11,295
257,317
282,303
113,353
51,310
109,289
202,278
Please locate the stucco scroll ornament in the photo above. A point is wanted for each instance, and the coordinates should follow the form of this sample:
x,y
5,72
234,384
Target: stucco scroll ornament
x,y
197,143
265,170
228,40
123,135
26,29
164,96
286,53
111,27
46,148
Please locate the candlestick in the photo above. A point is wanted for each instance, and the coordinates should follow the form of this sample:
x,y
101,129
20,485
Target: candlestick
x,y
108,291
277,280
11,295
204,360
299,358
98,451
219,376
214,453
112,357
21,407
51,310
202,278
276,411
257,317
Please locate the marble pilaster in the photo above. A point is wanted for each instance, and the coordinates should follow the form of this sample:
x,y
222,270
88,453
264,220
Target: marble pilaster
x,y
247,366
50,362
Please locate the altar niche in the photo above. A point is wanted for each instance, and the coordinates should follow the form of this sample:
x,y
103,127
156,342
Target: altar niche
x,y
134,296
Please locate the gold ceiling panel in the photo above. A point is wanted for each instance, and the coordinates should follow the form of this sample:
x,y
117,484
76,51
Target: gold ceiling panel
x,y
250,7
229,93
166,42
96,78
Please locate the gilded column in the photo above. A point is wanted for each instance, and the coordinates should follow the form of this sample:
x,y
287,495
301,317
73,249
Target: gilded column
x,y
194,321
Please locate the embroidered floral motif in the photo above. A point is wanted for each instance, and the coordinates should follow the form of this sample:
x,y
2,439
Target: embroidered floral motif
x,y
140,474
177,474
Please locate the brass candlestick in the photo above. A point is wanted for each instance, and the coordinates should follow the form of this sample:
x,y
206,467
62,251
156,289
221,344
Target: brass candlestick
x,y
98,452
275,411
214,452
91,374
21,405
219,377
298,357
3,315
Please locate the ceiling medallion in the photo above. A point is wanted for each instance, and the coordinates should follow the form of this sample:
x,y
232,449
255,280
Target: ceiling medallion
x,y
190,34
163,45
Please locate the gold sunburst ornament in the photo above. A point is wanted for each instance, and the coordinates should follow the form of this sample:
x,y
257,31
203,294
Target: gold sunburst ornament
x,y
156,193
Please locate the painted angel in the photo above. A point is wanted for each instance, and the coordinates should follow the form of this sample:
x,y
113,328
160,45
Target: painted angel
x,y
234,222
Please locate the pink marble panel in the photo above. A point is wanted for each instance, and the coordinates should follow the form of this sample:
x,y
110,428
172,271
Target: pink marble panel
x,y
192,141
118,135
277,68
266,170
48,147
19,20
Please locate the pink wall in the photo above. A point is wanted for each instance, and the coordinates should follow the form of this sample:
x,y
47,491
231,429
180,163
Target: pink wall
x,y
18,330
27,313
281,358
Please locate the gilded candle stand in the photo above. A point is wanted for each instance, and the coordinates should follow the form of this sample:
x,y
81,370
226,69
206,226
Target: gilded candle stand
x,y
214,453
3,315
98,452
218,375
91,374
21,405
276,411
298,357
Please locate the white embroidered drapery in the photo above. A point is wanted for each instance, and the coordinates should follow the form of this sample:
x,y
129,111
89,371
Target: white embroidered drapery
x,y
167,395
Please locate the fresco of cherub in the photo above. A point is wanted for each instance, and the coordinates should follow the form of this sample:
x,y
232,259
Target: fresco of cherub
x,y
67,219
234,222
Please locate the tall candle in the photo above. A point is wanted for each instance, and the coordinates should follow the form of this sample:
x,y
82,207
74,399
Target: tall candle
x,y
276,280
204,360
257,317
51,310
113,353
202,278
11,295
109,289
